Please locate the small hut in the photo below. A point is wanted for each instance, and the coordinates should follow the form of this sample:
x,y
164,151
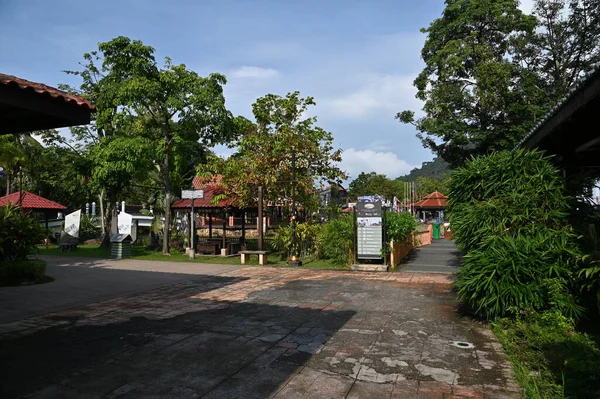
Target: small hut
x,y
32,203
432,206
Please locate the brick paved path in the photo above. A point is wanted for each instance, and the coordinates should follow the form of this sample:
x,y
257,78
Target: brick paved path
x,y
259,333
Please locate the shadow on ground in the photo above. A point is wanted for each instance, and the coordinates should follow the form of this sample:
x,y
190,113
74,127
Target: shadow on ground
x,y
225,352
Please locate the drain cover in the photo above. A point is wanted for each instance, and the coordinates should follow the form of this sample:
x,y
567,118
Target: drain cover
x,y
463,345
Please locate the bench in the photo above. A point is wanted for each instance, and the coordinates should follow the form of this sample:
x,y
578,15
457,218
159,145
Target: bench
x,y
207,247
67,243
262,256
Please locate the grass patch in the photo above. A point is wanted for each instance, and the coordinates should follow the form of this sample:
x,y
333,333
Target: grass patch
x,y
24,272
550,358
141,253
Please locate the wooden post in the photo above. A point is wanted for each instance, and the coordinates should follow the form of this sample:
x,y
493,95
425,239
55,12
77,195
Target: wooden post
x,y
224,246
243,238
260,218
210,223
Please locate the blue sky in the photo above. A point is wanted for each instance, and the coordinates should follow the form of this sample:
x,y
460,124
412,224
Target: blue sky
x,y
357,58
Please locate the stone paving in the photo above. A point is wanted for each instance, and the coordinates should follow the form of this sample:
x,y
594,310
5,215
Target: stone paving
x,y
442,256
260,333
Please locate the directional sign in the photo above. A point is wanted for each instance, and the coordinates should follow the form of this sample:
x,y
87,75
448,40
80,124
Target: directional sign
x,y
189,194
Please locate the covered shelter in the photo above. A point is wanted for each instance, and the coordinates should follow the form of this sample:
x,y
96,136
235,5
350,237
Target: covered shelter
x,y
27,106
31,203
569,131
432,204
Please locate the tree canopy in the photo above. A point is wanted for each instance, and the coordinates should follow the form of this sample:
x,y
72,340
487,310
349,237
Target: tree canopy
x,y
491,71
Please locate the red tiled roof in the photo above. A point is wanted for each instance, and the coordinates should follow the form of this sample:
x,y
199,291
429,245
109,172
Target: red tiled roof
x,y
433,200
211,188
30,201
41,88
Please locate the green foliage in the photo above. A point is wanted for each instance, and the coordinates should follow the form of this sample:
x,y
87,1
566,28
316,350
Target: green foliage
x,y
264,155
551,359
336,240
88,228
508,211
399,226
484,197
590,272
373,183
22,272
307,235
19,234
427,185
437,169
492,71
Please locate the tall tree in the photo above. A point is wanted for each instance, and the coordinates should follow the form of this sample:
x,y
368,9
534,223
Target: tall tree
x,y
265,153
373,183
476,98
151,121
179,112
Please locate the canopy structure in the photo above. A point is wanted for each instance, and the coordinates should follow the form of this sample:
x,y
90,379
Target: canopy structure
x,y
569,131
32,203
433,201
27,106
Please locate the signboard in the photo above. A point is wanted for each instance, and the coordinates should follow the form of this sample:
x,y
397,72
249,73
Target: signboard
x,y
2,173
72,223
369,228
192,194
124,222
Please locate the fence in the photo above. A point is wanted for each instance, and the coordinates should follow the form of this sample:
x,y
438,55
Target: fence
x,y
399,251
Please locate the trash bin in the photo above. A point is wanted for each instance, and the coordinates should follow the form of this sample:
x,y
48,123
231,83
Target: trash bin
x,y
436,231
120,246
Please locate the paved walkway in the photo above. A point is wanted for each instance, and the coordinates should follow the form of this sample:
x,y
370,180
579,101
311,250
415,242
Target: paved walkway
x,y
260,332
79,281
441,256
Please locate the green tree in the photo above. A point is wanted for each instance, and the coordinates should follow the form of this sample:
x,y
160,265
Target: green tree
x,y
151,115
373,183
427,185
265,153
476,98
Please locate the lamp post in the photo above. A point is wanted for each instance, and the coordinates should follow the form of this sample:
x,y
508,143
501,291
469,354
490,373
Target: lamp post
x,y
294,258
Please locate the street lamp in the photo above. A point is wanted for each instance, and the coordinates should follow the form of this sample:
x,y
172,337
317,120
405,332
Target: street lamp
x,y
294,258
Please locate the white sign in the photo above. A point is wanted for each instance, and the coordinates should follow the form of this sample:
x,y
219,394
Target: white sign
x,y
72,223
189,194
124,222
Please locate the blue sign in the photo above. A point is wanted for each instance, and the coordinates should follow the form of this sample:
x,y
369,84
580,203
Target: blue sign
x,y
2,174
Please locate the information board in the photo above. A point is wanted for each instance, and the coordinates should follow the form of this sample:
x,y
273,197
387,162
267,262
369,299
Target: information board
x,y
369,228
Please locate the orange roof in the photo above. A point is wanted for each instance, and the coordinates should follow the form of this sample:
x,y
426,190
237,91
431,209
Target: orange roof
x,y
41,88
30,201
433,200
211,187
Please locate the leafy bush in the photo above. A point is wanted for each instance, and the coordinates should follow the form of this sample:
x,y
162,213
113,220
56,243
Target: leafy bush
x,y
336,241
30,270
89,228
19,234
306,238
551,359
509,213
504,193
399,226
511,273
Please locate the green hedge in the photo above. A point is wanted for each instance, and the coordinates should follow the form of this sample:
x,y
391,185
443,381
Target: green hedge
x,y
24,271
19,234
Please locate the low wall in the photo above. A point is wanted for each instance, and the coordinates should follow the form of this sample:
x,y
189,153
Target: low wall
x,y
400,251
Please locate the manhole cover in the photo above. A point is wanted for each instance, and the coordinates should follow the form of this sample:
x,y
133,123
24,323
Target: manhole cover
x,y
463,345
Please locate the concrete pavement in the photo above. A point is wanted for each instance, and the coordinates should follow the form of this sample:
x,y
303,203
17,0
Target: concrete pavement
x,y
441,256
257,333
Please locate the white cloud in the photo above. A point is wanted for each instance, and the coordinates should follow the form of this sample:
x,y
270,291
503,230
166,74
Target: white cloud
x,y
376,94
387,163
526,6
252,72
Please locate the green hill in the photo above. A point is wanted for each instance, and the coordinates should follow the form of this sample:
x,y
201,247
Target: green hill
x,y
437,169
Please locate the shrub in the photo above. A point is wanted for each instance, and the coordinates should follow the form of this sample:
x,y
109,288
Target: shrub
x,y
509,213
306,238
336,241
30,270
399,226
19,234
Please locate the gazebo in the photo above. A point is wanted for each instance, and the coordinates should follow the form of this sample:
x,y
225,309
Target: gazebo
x,y
30,202
434,203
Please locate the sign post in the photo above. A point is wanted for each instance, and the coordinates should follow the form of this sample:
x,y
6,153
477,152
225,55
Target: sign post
x,y
192,194
369,228
2,173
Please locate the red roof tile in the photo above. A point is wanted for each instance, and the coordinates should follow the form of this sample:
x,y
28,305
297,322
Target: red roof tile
x,y
41,88
433,200
30,201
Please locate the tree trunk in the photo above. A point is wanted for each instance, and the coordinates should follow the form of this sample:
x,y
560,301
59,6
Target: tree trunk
x,y
167,187
107,220
101,201
8,184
